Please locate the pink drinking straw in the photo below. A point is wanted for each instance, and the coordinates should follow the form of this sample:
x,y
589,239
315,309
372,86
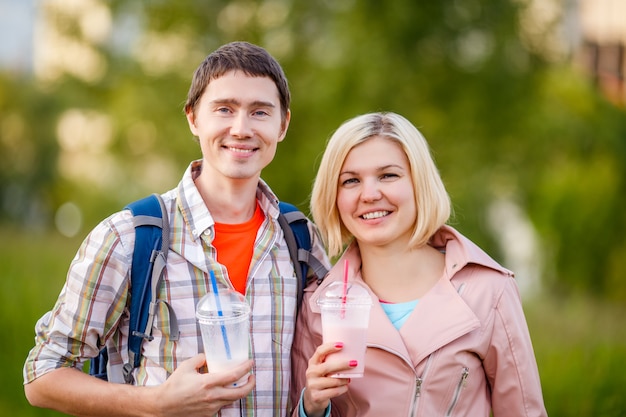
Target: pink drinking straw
x,y
345,289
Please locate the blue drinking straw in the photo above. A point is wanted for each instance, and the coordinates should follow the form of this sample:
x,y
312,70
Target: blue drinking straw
x,y
220,314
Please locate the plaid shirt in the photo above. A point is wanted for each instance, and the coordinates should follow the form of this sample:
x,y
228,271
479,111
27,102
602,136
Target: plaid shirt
x,y
92,308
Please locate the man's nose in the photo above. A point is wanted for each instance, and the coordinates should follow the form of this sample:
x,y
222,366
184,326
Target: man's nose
x,y
241,127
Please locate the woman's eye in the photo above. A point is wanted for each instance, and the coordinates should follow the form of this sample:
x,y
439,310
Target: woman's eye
x,y
389,175
349,181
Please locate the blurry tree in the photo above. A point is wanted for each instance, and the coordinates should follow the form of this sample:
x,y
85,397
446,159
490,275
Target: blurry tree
x,y
503,119
28,151
575,186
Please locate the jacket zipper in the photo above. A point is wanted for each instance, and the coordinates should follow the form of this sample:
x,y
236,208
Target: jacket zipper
x,y
419,380
457,392
416,397
460,289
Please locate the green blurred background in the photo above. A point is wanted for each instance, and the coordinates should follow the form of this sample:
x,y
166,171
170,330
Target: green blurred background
x,y
523,103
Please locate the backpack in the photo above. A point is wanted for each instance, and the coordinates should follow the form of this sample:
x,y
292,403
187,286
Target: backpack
x,y
149,259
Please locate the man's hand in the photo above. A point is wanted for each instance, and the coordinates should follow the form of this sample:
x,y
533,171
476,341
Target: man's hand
x,y
188,392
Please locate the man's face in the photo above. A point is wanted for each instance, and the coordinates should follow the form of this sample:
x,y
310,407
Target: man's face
x,y
238,122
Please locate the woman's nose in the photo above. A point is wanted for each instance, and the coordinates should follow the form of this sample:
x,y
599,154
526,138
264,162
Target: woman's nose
x,y
370,190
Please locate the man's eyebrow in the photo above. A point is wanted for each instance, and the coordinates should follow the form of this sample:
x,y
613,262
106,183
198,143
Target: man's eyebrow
x,y
261,103
256,103
225,101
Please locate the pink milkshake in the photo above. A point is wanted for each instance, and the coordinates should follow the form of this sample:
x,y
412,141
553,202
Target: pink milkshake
x,y
345,319
354,341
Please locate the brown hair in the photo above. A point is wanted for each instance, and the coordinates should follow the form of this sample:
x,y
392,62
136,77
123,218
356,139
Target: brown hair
x,y
238,56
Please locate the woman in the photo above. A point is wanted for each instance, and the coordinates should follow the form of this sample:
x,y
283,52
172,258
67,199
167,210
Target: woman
x,y
447,333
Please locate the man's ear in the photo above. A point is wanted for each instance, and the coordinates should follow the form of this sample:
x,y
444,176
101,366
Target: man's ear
x,y
283,131
191,120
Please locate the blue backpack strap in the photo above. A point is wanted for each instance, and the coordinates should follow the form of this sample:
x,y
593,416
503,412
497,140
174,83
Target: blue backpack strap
x,y
295,228
98,365
148,221
151,231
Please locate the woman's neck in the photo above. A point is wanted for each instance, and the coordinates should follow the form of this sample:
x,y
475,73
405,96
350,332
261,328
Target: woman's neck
x,y
401,275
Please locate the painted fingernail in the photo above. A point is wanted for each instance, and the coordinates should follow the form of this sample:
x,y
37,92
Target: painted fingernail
x,y
339,345
353,363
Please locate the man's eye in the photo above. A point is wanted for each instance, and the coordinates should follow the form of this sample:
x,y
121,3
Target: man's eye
x,y
260,113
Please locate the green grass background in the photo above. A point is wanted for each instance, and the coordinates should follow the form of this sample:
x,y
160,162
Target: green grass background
x,y
580,343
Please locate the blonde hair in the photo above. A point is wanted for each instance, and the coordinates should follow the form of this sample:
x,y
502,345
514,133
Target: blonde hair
x,y
431,198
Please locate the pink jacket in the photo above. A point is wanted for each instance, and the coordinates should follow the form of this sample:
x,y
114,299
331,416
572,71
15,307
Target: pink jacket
x,y
464,351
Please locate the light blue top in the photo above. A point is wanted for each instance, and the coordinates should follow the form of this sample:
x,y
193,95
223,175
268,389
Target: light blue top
x,y
398,312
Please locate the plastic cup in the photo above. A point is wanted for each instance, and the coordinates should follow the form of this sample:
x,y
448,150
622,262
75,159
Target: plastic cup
x,y
224,320
346,319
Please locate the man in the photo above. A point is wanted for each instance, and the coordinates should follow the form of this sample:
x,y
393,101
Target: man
x,y
223,218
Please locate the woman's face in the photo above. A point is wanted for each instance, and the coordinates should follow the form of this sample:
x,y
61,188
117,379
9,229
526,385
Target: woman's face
x,y
375,197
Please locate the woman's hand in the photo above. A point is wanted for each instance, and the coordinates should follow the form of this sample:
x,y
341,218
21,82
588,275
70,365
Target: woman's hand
x,y
320,386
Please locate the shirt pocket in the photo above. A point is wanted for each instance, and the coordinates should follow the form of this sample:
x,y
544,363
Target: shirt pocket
x,y
282,314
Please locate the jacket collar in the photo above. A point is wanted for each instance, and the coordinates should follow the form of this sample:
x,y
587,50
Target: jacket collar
x,y
440,317
460,251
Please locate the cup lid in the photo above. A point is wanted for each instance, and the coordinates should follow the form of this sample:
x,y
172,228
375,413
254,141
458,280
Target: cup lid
x,y
356,293
227,302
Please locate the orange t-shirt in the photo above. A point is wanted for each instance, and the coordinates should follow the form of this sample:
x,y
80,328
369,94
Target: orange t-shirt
x,y
235,244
